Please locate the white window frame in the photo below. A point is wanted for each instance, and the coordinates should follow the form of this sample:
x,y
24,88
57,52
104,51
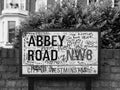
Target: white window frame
x,y
37,5
62,0
8,30
19,2
4,41
113,2
88,2
24,4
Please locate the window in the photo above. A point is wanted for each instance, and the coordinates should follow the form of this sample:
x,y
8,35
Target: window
x,y
101,1
15,4
59,1
41,4
11,31
116,2
22,4
91,1
72,2
112,2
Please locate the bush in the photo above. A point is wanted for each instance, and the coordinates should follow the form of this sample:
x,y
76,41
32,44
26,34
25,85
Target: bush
x,y
69,16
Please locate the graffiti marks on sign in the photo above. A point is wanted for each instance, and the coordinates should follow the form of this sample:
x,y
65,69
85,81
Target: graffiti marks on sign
x,y
60,52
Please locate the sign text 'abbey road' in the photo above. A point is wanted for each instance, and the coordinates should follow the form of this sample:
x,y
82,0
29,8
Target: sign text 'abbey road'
x,y
59,52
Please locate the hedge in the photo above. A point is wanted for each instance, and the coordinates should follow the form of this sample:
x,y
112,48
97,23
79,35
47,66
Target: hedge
x,y
68,16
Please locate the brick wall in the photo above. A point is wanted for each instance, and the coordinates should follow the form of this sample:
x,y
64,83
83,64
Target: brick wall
x,y
109,78
9,71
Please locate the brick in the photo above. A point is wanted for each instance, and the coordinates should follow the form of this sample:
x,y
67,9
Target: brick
x,y
17,53
105,84
105,76
12,69
14,88
103,51
108,53
117,62
51,83
96,84
25,88
17,61
112,62
0,53
9,75
0,61
115,69
117,54
101,88
59,88
10,83
21,83
0,75
115,84
11,53
76,84
3,88
117,88
115,77
3,68
9,61
2,83
113,88
43,88
72,88
4,53
105,68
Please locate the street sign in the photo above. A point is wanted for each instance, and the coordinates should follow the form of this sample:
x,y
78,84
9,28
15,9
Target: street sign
x,y
59,52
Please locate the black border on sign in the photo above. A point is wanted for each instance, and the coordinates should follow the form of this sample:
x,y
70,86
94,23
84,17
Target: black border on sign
x,y
60,75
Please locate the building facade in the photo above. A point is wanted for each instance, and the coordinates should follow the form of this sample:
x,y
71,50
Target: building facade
x,y
12,12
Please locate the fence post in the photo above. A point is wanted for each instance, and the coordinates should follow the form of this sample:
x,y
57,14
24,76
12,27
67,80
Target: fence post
x,y
30,83
88,83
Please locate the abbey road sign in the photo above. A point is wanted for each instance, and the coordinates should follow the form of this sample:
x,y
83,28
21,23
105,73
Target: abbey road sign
x,y
59,52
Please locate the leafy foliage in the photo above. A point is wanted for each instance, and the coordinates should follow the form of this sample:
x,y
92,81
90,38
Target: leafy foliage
x,y
69,16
